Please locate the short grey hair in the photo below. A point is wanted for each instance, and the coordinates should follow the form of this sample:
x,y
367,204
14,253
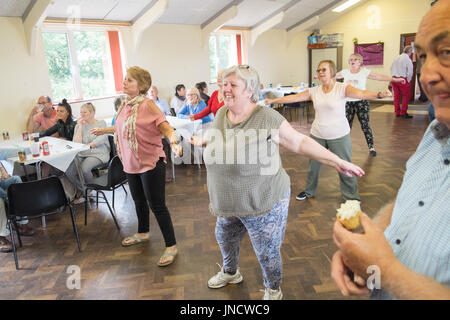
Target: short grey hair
x,y
407,49
249,76
358,57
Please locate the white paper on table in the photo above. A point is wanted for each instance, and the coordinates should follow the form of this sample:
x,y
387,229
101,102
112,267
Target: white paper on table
x,y
62,152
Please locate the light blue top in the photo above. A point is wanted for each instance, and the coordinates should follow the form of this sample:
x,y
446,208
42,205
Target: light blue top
x,y
163,105
419,233
188,110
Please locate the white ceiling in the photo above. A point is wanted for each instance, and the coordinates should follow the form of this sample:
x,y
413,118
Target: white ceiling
x,y
195,12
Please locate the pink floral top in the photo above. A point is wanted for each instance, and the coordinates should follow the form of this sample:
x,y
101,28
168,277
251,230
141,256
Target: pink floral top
x,y
148,137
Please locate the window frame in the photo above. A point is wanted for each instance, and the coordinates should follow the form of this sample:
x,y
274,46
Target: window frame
x,y
243,33
69,30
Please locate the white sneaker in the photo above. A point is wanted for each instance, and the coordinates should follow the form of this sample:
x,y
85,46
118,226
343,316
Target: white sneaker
x,y
79,200
270,294
221,279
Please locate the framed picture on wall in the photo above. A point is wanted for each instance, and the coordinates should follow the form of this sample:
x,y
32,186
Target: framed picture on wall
x,y
372,53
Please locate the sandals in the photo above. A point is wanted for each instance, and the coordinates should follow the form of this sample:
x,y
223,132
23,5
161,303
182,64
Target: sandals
x,y
167,254
134,240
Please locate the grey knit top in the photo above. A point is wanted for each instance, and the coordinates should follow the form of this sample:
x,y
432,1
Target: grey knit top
x,y
101,150
244,172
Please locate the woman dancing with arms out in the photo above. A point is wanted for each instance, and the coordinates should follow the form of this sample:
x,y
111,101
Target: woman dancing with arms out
x,y
138,131
357,77
252,195
330,127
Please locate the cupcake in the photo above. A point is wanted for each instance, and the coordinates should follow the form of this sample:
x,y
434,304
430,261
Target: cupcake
x,y
348,214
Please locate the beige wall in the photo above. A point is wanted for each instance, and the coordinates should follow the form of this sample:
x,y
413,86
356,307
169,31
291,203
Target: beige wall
x,y
278,61
24,77
172,54
395,17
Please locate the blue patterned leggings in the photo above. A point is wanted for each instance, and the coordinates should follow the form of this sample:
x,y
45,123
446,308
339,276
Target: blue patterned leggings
x,y
266,233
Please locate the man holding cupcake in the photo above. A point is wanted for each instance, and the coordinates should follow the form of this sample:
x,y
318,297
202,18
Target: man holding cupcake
x,y
409,240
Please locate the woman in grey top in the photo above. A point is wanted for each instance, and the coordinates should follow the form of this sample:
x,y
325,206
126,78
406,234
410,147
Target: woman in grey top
x,y
248,188
88,159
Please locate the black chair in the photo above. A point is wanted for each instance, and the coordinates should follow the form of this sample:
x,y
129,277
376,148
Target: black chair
x,y
295,106
36,199
112,152
115,178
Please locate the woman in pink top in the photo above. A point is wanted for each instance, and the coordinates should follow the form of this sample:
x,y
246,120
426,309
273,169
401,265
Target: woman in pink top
x,y
138,130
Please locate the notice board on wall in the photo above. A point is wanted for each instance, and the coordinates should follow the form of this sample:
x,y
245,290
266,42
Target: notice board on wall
x,y
372,53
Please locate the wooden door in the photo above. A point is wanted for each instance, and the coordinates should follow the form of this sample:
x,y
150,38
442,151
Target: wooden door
x,y
408,39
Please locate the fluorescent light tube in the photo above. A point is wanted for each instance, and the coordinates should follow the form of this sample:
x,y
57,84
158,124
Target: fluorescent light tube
x,y
345,5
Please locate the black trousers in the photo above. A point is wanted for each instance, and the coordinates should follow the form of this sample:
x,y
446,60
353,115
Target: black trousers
x,y
150,188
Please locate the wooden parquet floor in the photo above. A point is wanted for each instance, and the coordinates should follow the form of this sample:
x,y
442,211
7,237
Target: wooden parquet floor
x,y
110,271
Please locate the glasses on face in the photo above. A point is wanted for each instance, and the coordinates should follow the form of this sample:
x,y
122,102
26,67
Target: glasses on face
x,y
243,66
321,70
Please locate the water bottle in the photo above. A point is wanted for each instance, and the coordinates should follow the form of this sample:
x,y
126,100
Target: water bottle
x,y
35,147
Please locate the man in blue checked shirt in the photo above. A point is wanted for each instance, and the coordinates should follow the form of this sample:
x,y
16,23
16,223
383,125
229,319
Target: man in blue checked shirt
x,y
162,103
409,240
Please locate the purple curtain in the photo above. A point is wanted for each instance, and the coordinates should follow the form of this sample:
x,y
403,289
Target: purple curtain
x,y
372,53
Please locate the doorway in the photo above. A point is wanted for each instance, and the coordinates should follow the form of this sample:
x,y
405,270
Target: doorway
x,y
407,39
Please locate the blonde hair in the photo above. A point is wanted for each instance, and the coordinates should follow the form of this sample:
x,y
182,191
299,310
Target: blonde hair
x,y
357,56
89,106
196,92
331,65
143,78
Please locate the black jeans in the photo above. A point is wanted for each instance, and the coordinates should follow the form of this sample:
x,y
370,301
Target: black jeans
x,y
150,186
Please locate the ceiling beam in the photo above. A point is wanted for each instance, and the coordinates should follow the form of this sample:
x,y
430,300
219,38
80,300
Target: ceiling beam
x,y
266,25
147,18
301,27
316,13
270,21
33,21
218,20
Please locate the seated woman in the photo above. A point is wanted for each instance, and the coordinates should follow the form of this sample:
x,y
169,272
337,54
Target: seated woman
x,y
193,106
87,159
177,101
214,103
203,89
117,103
65,125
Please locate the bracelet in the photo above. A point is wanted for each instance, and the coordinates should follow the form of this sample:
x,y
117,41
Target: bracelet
x,y
379,95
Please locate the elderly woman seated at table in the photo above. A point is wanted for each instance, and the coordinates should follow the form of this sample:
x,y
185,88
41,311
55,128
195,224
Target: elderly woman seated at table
x,y
193,105
65,125
88,159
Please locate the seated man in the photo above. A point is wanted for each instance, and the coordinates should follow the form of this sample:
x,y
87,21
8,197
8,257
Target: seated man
x,y
162,103
5,181
5,244
42,116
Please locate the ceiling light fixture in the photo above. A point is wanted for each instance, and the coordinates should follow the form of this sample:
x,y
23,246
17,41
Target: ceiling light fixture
x,y
345,5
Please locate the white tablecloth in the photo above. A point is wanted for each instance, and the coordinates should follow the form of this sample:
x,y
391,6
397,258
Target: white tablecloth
x,y
184,127
281,91
62,152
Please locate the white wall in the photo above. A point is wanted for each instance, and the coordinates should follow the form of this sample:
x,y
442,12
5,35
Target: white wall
x,y
379,20
24,77
278,61
173,54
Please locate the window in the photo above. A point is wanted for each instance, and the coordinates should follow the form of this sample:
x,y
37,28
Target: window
x,y
83,64
225,50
